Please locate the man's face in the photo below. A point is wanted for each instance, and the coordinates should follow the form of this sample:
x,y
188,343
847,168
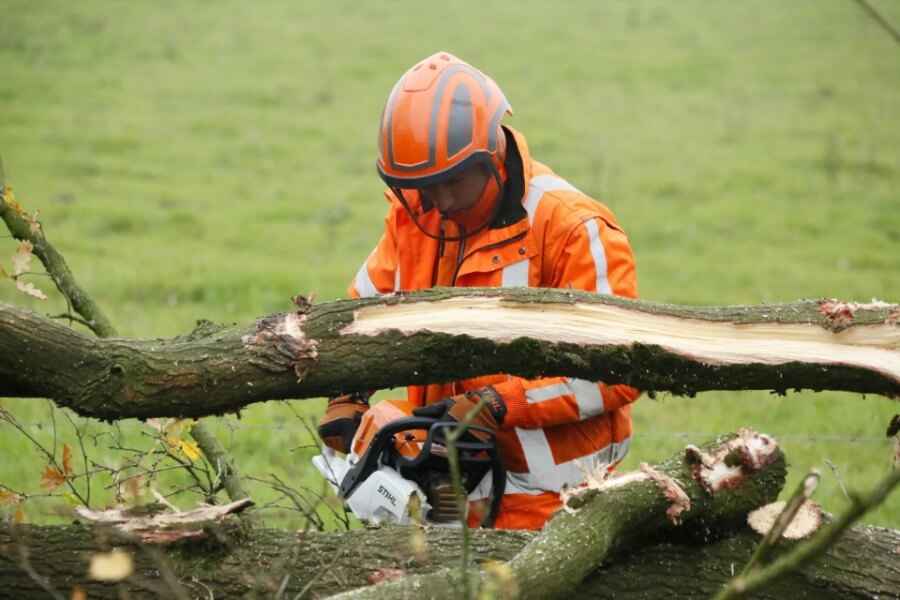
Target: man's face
x,y
454,197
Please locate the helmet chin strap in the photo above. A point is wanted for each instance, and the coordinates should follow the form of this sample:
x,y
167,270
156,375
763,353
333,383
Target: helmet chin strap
x,y
495,210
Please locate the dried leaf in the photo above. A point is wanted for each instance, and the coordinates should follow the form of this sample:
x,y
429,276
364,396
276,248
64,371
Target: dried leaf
x,y
9,498
20,514
21,257
33,223
115,566
67,459
52,478
78,594
10,199
29,289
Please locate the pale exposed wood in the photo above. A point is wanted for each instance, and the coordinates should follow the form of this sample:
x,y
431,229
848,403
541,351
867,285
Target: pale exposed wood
x,y
875,347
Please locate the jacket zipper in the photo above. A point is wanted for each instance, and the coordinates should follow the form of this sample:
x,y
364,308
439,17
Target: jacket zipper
x,y
460,255
440,252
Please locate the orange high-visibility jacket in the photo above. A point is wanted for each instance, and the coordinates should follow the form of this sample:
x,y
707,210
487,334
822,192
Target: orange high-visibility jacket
x,y
547,234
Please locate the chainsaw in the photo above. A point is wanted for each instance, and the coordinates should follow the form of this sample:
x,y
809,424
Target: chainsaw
x,y
397,470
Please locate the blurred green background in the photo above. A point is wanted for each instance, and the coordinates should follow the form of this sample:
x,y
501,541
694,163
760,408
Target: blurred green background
x,y
211,159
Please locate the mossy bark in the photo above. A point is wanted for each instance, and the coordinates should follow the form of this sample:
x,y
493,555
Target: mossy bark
x,y
217,369
254,563
625,530
861,564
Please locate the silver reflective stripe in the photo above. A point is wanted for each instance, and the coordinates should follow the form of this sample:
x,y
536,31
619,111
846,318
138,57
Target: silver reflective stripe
x,y
538,453
569,473
547,392
364,284
587,395
599,254
483,490
397,279
516,274
538,186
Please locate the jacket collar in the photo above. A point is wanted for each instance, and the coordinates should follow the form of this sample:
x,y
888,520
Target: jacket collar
x,y
518,172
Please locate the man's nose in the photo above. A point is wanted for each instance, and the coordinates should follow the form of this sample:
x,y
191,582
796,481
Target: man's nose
x,y
441,198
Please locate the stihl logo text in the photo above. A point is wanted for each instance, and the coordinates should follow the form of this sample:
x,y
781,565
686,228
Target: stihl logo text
x,y
387,495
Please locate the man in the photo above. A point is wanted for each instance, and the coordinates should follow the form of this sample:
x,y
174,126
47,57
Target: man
x,y
469,207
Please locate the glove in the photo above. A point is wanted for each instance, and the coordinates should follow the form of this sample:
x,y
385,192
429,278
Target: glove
x,y
456,408
341,420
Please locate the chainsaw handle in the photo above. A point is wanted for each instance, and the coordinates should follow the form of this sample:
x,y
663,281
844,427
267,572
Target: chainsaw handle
x,y
370,461
494,458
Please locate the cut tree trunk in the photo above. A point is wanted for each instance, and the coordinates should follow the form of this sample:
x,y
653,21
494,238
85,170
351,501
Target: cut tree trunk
x,y
443,335
627,526
862,564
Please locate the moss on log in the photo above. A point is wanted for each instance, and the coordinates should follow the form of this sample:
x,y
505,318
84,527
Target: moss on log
x,y
443,335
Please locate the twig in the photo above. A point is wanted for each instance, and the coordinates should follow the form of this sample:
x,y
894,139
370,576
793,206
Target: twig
x,y
51,459
802,555
71,318
84,456
804,491
837,476
166,572
94,318
220,460
52,427
322,571
59,271
879,18
453,458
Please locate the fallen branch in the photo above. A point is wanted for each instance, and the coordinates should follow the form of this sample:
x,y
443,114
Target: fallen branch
x,y
445,335
163,527
803,555
614,514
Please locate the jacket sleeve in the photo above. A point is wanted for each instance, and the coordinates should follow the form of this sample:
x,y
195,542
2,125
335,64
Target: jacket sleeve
x,y
380,272
595,257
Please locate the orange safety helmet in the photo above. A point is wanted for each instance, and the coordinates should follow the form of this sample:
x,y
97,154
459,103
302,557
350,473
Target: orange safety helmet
x,y
442,117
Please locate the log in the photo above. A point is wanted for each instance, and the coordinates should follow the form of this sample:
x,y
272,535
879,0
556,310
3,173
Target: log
x,y
444,334
862,564
650,556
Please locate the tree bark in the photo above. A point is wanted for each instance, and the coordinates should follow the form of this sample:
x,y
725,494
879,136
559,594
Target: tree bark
x,y
443,335
245,562
862,564
715,489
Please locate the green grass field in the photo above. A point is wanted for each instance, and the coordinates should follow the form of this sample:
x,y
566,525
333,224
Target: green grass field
x,y
209,160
